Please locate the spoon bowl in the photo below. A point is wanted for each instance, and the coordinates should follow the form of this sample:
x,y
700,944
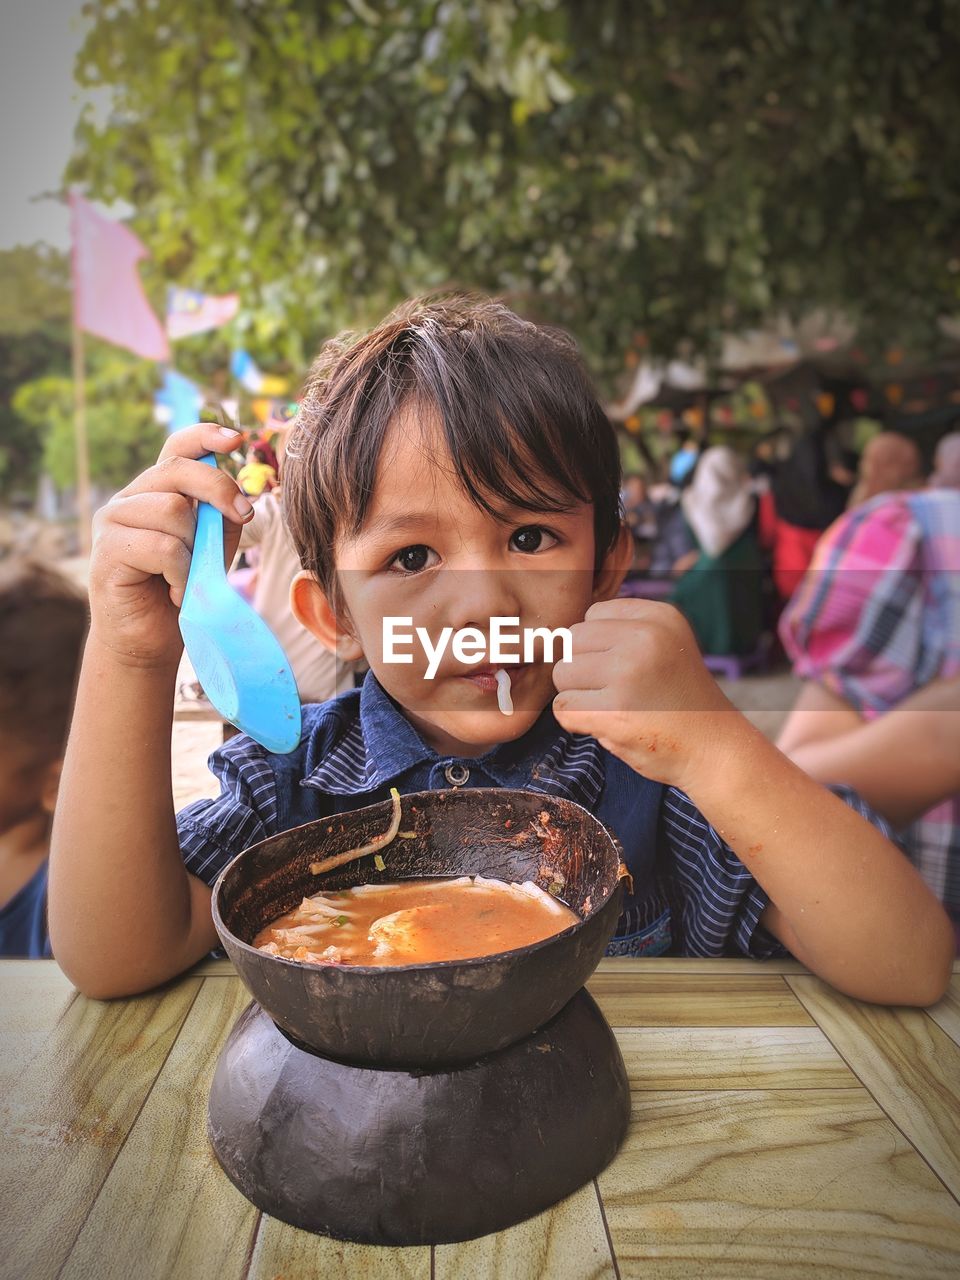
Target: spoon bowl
x,y
237,658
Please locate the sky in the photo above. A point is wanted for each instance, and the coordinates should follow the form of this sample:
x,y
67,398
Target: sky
x,y
38,110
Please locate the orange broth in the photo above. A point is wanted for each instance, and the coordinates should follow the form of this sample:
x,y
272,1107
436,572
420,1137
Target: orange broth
x,y
415,922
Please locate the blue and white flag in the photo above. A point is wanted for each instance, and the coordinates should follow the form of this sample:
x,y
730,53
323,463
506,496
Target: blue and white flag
x,y
178,402
244,368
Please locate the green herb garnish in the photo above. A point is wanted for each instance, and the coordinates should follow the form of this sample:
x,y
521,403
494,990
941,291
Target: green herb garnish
x,y
340,920
379,863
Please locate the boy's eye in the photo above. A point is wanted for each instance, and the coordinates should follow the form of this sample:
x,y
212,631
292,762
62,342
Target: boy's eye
x,y
413,559
532,538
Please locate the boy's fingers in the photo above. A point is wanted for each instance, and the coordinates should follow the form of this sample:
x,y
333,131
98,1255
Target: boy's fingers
x,y
624,610
597,635
201,438
149,552
586,671
594,636
168,513
578,710
180,475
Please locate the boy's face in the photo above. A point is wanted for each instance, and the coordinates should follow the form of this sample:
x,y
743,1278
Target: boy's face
x,y
427,552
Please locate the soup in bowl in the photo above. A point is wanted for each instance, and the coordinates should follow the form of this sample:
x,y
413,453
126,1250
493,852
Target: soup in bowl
x,y
409,1011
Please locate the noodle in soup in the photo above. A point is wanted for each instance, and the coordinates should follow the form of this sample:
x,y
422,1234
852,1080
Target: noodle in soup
x,y
415,922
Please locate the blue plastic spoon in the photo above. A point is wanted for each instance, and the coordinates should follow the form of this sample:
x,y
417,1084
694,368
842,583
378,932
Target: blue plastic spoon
x,y
237,658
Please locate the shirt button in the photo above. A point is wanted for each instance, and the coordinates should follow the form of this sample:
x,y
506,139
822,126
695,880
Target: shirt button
x,y
456,774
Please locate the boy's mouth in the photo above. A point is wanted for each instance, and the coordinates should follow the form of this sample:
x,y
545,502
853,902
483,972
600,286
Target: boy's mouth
x,y
485,678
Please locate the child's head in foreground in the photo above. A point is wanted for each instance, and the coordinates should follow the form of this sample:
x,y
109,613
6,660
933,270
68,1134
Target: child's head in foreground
x,y
43,620
451,466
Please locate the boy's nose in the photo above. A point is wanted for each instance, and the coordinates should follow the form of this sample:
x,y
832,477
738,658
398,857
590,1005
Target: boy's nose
x,y
477,595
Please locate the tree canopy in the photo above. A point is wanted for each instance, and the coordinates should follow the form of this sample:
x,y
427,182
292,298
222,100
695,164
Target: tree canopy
x,y
34,343
36,388
667,166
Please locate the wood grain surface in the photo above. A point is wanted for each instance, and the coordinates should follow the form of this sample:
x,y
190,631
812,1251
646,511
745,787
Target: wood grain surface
x,y
907,1062
568,1240
631,999
946,1012
167,1178
731,1058
765,1183
66,1120
778,1130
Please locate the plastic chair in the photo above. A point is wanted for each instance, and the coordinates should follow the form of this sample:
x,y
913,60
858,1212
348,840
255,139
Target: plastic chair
x,y
732,666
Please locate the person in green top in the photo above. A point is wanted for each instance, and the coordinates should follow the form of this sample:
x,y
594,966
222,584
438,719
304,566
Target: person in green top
x,y
720,595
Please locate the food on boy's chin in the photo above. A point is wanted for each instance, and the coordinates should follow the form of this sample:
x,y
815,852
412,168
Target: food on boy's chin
x,y
415,922
504,699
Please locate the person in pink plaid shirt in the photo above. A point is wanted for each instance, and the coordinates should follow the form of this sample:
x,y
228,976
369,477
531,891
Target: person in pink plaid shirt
x,y
874,630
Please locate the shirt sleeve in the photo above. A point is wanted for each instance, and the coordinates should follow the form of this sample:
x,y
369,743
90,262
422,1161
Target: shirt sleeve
x,y
266,512
212,832
856,623
718,901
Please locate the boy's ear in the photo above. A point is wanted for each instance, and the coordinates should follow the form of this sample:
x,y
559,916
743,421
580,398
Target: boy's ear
x,y
609,577
312,610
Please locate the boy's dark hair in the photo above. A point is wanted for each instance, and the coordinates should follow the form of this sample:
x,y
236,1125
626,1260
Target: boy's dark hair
x,y
43,621
260,454
518,412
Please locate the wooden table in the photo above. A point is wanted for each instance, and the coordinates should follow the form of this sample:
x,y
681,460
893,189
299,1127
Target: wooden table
x,y
779,1130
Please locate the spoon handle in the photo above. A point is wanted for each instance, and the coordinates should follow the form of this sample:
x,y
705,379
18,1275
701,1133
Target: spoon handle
x,y
208,539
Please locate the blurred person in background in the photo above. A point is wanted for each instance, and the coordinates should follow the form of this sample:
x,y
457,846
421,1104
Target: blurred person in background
x,y
43,621
807,491
640,517
946,463
720,594
265,442
684,459
874,630
319,673
638,509
890,462
256,476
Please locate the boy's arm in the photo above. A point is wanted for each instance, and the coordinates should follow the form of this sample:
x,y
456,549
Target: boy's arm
x,y
124,914
902,763
845,901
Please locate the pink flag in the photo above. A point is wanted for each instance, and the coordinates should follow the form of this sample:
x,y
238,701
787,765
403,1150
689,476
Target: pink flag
x,y
190,312
108,298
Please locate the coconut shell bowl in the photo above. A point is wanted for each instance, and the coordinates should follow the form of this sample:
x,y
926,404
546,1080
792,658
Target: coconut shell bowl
x,y
422,1103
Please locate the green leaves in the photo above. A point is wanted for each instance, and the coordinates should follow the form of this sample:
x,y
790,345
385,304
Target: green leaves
x,y
610,167
122,436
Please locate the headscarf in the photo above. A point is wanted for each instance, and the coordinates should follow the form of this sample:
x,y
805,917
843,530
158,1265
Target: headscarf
x,y
803,492
946,463
718,505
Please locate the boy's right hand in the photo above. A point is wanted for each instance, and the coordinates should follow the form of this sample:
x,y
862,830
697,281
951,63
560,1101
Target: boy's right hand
x,y
143,539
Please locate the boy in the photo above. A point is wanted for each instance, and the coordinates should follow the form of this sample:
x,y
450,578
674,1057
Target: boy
x,y
43,618
450,468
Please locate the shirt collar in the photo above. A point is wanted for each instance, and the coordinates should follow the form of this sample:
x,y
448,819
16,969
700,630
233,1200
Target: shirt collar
x,y
381,746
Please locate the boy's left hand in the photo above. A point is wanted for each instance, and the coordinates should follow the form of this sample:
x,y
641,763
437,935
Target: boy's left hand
x,y
637,683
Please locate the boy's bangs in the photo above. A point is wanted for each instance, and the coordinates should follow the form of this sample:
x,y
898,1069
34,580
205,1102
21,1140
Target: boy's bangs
x,y
509,400
511,462
519,429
